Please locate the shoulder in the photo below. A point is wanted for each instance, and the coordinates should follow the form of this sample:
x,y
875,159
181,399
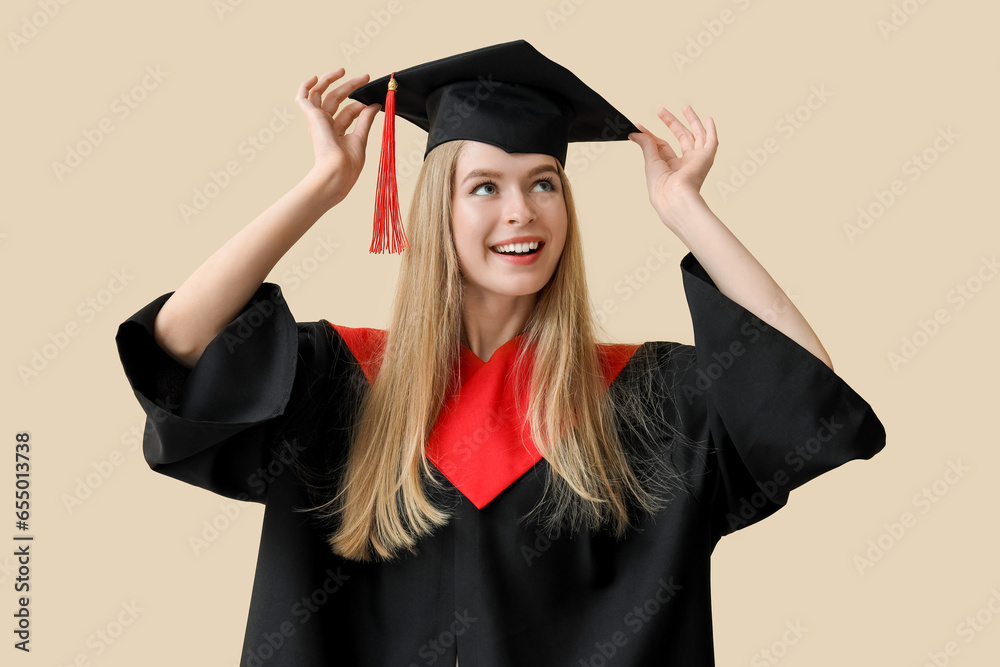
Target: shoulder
x,y
665,359
662,427
656,374
362,345
657,388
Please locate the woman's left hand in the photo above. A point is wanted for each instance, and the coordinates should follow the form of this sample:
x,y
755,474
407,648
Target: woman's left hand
x,y
672,180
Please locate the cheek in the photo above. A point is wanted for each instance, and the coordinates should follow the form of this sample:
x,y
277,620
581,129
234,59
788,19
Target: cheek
x,y
466,230
468,246
561,231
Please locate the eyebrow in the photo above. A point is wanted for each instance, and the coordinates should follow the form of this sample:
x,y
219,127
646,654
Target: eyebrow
x,y
489,173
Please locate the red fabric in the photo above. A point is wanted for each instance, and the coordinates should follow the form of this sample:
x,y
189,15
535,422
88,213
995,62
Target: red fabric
x,y
481,442
366,345
387,233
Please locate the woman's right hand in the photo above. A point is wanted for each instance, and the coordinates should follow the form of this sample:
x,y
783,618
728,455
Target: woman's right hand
x,y
339,156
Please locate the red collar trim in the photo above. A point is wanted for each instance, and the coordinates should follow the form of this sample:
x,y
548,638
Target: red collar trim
x,y
481,442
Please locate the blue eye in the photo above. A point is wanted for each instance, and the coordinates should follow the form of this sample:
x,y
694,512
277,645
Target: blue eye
x,y
549,182
483,185
550,186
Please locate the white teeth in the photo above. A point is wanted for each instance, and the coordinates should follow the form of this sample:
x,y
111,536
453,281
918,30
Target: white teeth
x,y
517,248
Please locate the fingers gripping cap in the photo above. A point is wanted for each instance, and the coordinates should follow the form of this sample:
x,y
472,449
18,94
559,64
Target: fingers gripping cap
x,y
508,95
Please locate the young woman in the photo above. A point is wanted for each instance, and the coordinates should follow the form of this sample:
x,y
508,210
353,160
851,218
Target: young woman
x,y
483,481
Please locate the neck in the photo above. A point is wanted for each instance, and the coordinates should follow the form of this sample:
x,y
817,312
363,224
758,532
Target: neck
x,y
488,323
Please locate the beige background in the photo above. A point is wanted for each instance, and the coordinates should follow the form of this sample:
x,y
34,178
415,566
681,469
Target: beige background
x,y
224,75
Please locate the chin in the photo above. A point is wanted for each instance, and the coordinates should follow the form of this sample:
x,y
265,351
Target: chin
x,y
518,291
508,289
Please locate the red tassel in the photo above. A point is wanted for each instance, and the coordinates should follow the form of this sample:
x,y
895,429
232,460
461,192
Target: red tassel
x,y
385,239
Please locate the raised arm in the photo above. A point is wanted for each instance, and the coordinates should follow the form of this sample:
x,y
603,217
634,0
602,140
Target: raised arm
x,y
674,184
218,289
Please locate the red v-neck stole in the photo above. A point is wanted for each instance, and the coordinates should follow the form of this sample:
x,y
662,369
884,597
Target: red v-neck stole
x,y
481,441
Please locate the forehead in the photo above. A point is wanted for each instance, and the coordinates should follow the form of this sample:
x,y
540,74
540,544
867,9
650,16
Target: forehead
x,y
476,155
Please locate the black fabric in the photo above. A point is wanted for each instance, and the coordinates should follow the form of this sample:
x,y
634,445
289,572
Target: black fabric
x,y
765,415
475,95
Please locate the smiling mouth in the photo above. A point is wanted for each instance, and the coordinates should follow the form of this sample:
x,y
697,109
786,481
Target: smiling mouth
x,y
517,248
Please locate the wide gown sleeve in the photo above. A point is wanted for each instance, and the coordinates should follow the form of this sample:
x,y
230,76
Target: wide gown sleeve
x,y
774,415
254,389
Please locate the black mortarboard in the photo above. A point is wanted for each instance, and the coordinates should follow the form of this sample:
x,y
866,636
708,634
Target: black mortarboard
x,y
508,95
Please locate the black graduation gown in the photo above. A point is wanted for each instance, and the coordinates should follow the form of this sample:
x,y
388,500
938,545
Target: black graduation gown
x,y
488,588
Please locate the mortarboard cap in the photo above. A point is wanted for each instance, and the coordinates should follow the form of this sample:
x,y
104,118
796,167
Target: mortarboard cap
x,y
508,95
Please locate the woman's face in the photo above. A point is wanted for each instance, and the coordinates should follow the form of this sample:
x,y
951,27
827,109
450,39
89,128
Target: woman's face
x,y
508,220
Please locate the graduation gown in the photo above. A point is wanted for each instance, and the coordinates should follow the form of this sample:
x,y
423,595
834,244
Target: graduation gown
x,y
270,398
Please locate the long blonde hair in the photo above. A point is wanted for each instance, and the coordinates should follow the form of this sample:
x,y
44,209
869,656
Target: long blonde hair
x,y
383,504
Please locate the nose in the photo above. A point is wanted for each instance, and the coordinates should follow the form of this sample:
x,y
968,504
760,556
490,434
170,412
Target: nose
x,y
518,208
